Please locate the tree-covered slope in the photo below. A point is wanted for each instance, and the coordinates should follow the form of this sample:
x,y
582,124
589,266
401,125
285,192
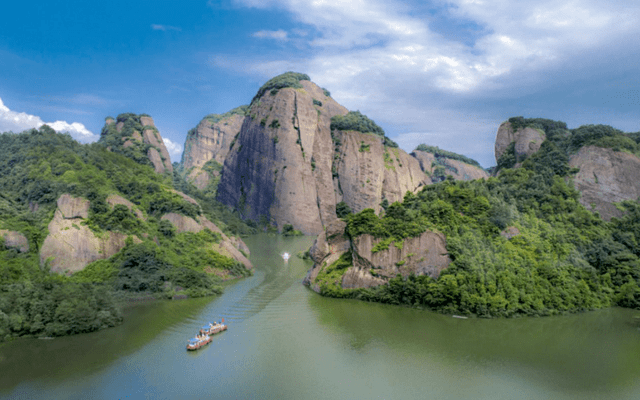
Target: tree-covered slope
x,y
158,259
519,243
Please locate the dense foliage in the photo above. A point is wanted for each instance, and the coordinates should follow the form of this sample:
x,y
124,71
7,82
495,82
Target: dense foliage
x,y
355,121
36,168
288,79
562,258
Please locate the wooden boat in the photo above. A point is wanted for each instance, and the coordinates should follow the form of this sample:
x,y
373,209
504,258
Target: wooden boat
x,y
213,328
196,343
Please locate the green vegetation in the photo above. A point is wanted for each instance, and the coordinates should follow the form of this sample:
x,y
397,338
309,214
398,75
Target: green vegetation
x,y
288,79
214,118
317,103
275,124
287,230
564,259
444,154
343,209
36,168
355,121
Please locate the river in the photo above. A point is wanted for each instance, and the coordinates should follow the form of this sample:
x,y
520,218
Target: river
x,y
286,342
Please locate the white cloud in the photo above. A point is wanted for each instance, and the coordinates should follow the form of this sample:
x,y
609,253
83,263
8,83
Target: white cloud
x,y
164,28
277,35
20,121
173,148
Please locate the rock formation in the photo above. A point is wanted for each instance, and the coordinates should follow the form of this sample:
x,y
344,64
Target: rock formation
x,y
210,142
527,140
14,240
137,134
606,177
457,169
70,244
375,261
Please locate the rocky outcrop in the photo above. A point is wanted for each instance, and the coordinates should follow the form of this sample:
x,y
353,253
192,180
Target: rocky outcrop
x,y
70,244
369,172
210,140
139,132
527,140
457,169
605,177
115,199
280,164
14,240
375,261
230,247
287,165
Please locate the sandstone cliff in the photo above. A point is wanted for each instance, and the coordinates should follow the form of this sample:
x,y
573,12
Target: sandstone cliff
x,y
526,140
606,177
136,136
375,261
280,163
14,240
210,142
286,164
71,245
459,170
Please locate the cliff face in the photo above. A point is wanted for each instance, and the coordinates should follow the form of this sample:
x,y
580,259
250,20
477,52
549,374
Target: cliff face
x,y
210,140
606,177
527,140
280,164
288,165
369,172
71,245
375,261
136,136
457,169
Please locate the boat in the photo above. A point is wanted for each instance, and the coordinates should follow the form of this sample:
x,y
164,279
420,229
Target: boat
x,y
196,343
286,256
213,328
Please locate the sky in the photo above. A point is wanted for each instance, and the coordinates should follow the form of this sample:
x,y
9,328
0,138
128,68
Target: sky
x,y
444,73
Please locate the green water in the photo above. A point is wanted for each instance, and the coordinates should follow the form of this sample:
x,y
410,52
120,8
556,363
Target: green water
x,y
286,342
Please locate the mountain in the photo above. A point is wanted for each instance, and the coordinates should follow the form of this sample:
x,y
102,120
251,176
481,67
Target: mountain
x,y
523,242
83,227
297,156
606,160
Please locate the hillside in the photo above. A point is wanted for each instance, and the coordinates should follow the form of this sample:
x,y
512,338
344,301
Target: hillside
x,y
520,243
85,226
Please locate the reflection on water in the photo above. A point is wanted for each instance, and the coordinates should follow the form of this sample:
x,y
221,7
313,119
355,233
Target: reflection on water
x,y
285,341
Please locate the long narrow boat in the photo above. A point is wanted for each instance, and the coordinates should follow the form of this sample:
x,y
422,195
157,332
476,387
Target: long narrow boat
x,y
195,343
213,328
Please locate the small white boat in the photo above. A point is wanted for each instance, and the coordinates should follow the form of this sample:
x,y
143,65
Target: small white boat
x,y
286,256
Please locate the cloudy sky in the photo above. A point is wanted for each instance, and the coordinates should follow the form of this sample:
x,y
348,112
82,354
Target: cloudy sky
x,y
444,73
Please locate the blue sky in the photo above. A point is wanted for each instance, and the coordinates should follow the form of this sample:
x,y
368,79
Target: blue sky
x,y
444,73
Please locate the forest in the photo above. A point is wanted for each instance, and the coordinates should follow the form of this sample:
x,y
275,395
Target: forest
x,y
38,166
563,258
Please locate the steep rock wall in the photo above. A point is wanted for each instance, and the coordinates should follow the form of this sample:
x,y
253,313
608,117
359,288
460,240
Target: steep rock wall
x,y
457,169
527,140
606,177
280,165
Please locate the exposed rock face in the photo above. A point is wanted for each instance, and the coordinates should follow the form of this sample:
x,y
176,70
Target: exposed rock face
x,y
369,172
15,240
456,168
422,255
230,247
280,165
606,177
286,165
209,141
70,245
144,133
527,140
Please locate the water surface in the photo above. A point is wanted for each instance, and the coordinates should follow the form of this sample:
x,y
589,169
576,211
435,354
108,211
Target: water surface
x,y
286,342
